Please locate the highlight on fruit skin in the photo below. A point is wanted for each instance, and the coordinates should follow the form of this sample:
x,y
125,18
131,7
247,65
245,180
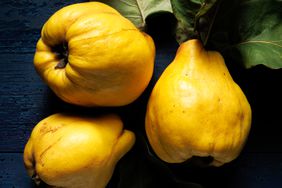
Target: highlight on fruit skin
x,y
76,151
196,109
90,55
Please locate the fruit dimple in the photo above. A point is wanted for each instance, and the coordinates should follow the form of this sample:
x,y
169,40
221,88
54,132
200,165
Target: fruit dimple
x,y
62,54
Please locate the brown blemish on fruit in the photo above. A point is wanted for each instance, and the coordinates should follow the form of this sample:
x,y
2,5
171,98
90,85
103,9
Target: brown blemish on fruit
x,y
47,149
50,129
242,117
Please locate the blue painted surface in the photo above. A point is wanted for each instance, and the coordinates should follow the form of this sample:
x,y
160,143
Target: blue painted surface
x,y
25,100
12,171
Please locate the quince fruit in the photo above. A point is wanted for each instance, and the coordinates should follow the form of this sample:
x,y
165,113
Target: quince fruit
x,y
90,55
76,151
196,109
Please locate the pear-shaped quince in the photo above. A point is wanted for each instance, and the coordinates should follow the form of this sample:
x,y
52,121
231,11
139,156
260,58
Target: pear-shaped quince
x,y
75,152
90,55
196,109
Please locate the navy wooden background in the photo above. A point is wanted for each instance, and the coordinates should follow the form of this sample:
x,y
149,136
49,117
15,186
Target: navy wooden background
x,y
25,100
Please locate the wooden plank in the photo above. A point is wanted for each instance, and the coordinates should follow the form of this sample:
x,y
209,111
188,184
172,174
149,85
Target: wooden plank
x,y
23,100
259,170
12,171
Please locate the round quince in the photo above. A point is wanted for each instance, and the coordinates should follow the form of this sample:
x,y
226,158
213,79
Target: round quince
x,y
76,151
90,55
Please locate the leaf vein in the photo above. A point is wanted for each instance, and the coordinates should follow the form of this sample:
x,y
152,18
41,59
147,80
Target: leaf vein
x,y
262,42
141,12
127,3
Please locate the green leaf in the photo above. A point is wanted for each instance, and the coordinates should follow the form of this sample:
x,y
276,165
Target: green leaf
x,y
250,32
195,18
205,7
138,10
205,18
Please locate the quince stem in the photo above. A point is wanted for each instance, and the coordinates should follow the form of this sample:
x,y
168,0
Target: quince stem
x,y
63,54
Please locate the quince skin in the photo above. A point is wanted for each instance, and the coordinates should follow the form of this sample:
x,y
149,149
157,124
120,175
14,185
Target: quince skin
x,y
75,152
196,109
90,55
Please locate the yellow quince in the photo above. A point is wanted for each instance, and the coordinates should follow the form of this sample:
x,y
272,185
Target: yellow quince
x,y
90,55
76,151
196,109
